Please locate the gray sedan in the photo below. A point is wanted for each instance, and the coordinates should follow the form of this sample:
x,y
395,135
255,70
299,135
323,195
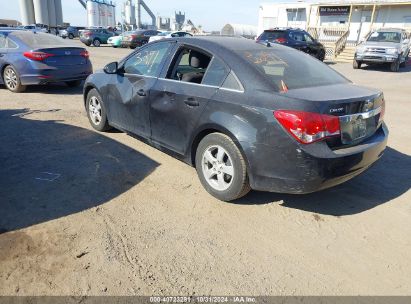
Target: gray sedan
x,y
245,115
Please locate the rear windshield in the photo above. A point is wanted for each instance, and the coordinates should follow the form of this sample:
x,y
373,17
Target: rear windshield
x,y
289,69
272,35
385,37
40,40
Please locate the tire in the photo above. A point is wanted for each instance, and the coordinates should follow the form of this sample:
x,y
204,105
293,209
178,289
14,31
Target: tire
x,y
12,80
74,84
100,124
404,64
356,64
221,168
395,66
321,56
87,44
71,36
96,43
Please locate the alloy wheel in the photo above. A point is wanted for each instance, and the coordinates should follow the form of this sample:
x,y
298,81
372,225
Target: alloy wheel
x,y
94,109
218,168
11,79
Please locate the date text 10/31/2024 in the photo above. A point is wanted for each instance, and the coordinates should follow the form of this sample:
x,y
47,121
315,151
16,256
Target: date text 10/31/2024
x,y
203,299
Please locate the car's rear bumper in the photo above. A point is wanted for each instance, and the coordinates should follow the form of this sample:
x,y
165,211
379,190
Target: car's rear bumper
x,y
62,74
86,40
131,43
311,168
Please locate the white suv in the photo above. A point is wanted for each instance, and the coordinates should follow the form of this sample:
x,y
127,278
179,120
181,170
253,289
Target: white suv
x,y
384,46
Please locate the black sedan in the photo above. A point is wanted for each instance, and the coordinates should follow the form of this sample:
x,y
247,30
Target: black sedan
x,y
245,115
295,38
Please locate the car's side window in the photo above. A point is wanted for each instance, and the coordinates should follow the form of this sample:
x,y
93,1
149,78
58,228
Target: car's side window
x,y
11,44
216,73
189,66
148,61
3,42
232,83
297,36
308,38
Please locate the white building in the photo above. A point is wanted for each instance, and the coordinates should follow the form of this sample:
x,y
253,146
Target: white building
x,y
330,20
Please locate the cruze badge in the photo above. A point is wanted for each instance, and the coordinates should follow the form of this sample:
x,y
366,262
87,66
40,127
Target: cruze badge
x,y
68,53
338,110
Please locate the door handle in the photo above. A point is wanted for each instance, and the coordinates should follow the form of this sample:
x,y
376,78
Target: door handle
x,y
191,102
141,93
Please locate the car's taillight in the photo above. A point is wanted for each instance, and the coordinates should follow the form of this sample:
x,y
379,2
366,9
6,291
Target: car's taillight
x,y
280,40
308,127
85,54
37,56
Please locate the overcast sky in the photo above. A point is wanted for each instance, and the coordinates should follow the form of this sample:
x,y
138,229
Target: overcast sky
x,y
211,14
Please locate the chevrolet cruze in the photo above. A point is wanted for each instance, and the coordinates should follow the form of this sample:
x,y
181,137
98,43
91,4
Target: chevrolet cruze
x,y
245,115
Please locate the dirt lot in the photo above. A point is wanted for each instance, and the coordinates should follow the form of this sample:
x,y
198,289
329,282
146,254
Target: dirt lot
x,y
84,213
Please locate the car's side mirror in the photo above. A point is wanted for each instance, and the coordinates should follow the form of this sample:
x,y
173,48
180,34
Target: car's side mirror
x,y
111,68
406,41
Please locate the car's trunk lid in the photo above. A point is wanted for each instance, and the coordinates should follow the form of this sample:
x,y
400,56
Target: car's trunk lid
x,y
67,56
359,109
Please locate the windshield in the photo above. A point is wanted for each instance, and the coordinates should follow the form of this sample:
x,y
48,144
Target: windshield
x,y
385,37
288,69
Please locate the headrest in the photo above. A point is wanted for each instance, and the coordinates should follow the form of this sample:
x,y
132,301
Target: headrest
x,y
198,60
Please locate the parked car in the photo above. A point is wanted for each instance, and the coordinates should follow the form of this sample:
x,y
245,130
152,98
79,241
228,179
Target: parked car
x,y
137,38
243,114
34,28
71,32
165,35
384,46
115,41
28,58
295,38
95,36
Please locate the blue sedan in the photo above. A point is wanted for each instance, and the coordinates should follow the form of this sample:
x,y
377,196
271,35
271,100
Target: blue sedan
x,y
32,58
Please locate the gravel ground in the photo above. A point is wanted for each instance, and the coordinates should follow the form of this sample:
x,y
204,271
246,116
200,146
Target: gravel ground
x,y
84,213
